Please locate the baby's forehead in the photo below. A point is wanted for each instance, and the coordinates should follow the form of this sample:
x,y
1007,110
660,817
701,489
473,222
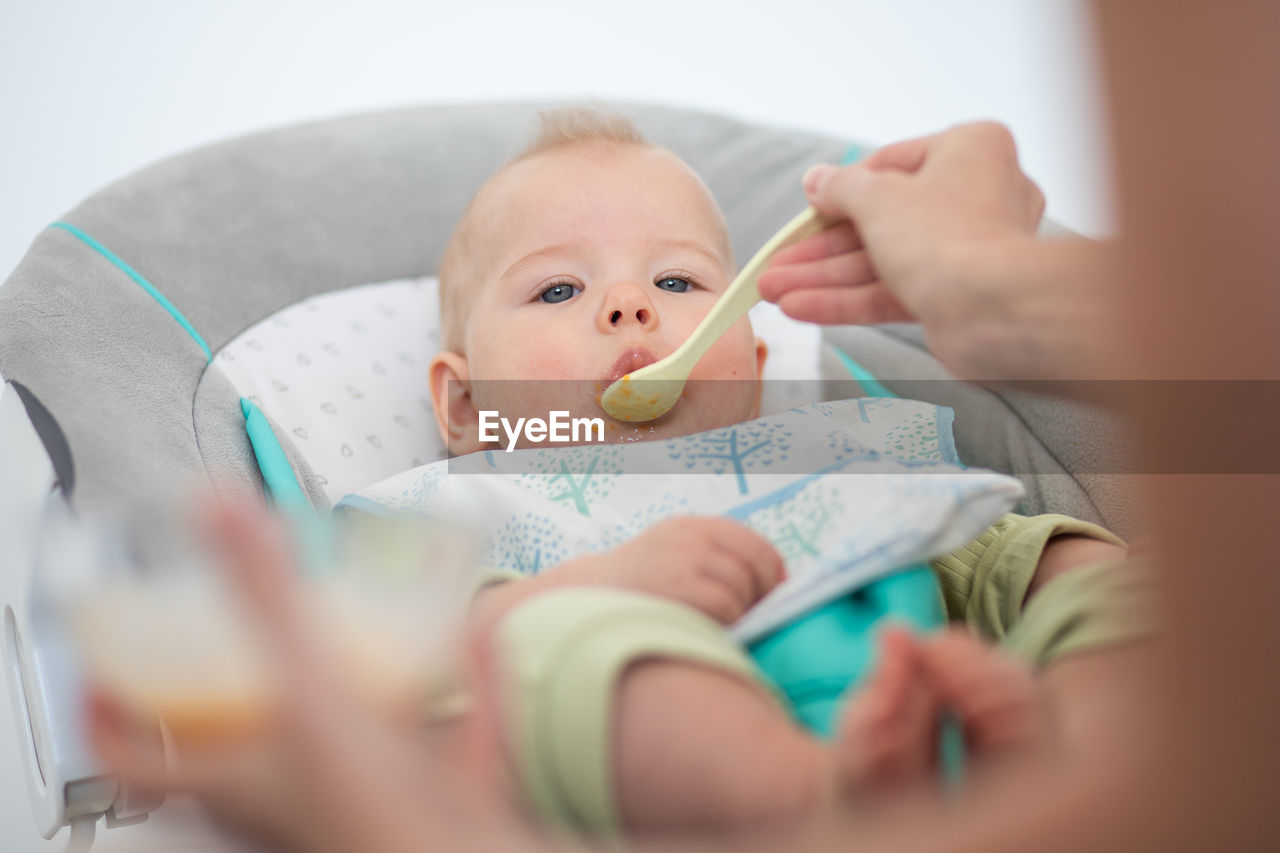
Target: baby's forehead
x,y
573,176
568,168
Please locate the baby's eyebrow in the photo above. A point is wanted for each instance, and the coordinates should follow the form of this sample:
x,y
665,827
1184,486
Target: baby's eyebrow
x,y
568,248
695,246
533,257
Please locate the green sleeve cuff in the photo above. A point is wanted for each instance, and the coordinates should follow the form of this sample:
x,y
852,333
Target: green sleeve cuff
x,y
487,577
985,581
1086,609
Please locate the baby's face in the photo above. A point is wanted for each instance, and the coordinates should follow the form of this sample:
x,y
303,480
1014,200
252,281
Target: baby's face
x,y
602,258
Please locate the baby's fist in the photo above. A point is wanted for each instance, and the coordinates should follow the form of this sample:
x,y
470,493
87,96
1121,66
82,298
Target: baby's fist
x,y
714,565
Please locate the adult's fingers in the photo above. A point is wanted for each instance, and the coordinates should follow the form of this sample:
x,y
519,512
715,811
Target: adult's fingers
x,y
907,156
258,555
1036,202
853,192
484,740
829,190
996,697
836,240
260,562
895,669
887,726
848,270
132,750
868,304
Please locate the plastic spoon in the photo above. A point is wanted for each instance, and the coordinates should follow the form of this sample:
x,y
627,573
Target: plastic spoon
x,y
653,390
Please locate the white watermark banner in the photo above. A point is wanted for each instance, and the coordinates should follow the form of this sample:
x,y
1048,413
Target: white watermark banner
x,y
557,428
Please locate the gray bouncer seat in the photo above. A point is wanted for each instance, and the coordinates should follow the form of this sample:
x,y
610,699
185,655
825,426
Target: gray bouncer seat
x,y
125,328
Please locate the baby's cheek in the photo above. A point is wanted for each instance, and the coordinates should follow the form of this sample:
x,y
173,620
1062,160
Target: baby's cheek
x,y
517,382
512,360
552,362
723,387
731,357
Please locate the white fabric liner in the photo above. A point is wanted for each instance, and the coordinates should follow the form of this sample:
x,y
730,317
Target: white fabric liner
x,y
344,374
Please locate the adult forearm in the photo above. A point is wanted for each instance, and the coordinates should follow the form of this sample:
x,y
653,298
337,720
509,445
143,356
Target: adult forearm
x,y
1035,311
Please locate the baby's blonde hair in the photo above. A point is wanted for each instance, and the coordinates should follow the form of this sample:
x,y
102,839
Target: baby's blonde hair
x,y
556,128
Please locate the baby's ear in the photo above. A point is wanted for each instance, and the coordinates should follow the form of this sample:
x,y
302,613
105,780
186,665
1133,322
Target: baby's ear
x,y
762,355
450,381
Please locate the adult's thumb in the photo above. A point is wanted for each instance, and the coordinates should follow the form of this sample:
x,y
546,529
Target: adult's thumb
x,y
841,192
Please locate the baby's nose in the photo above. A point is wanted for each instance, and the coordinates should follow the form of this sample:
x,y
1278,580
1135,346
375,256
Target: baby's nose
x,y
616,315
626,306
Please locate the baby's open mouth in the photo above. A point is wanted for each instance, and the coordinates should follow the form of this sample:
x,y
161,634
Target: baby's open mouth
x,y
631,359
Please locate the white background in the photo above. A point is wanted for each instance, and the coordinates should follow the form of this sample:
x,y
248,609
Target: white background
x,y
90,91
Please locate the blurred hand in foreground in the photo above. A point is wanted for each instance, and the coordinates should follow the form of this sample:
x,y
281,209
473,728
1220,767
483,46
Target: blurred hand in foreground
x,y
327,772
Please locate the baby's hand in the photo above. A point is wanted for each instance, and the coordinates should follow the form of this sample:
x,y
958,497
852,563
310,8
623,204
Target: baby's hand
x,y
714,565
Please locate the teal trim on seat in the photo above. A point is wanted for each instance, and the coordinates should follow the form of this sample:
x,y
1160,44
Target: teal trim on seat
x,y
140,281
946,416
868,382
853,154
277,473
310,528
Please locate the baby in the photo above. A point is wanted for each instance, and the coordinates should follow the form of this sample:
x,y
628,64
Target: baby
x,y
594,253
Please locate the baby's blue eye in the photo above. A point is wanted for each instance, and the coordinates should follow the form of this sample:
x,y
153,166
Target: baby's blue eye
x,y
559,293
675,285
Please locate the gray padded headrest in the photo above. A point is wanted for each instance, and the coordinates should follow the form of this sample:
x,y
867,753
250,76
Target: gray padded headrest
x,y
108,322
230,233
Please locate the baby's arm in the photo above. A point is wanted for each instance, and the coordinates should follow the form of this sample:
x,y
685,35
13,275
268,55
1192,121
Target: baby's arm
x,y
989,582
1063,595
713,565
1070,551
694,743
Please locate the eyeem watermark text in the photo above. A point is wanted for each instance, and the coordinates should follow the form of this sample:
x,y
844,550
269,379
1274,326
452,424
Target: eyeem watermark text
x,y
558,428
